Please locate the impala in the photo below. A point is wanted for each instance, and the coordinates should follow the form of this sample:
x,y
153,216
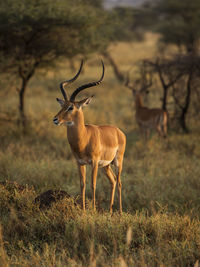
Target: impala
x,y
98,146
147,118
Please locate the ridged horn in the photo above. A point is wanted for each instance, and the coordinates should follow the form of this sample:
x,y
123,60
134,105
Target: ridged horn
x,y
81,88
62,84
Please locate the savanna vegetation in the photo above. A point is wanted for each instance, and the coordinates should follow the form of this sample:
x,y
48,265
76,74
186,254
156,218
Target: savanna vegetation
x,y
160,224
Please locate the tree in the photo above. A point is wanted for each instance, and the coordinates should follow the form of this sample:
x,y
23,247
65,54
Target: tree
x,y
167,74
37,33
182,92
178,23
178,75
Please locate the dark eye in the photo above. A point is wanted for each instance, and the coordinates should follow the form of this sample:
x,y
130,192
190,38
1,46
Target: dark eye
x,y
70,108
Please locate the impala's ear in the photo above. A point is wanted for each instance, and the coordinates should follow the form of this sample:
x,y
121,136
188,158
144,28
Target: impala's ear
x,y
84,102
60,101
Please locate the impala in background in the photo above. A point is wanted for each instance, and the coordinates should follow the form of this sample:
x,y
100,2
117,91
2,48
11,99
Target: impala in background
x,y
147,118
98,146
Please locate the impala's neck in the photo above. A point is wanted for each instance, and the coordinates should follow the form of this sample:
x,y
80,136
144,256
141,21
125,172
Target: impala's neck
x,y
76,133
138,101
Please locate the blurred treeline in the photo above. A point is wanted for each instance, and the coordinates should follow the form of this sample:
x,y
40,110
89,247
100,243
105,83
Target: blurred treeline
x,y
40,33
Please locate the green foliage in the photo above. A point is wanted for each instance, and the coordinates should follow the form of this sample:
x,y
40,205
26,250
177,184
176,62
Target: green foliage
x,y
127,24
121,21
179,22
46,29
38,33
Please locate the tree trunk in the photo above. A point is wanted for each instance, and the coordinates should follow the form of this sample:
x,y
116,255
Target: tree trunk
x,y
21,102
25,76
183,122
116,70
164,100
165,87
187,103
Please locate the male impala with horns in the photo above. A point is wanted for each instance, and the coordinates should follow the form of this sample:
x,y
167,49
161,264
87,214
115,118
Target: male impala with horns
x,y
98,146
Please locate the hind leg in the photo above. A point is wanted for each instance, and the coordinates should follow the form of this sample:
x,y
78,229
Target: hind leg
x,y
165,130
110,175
119,186
93,182
118,164
162,131
159,130
118,161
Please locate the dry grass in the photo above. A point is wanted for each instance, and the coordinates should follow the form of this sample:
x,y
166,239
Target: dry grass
x,y
160,224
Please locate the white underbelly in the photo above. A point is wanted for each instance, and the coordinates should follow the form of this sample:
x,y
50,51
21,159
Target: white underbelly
x,y
101,163
84,162
105,158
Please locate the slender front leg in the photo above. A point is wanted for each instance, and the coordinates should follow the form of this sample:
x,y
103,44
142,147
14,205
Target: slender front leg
x,y
82,173
94,180
143,133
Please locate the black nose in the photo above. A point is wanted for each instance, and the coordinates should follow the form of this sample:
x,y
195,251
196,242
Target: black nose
x,y
55,120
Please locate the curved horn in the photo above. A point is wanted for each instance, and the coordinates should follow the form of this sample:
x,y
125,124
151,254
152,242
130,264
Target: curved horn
x,y
79,89
62,84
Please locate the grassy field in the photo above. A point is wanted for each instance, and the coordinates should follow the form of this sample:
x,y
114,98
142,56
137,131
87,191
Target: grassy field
x,y
160,225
